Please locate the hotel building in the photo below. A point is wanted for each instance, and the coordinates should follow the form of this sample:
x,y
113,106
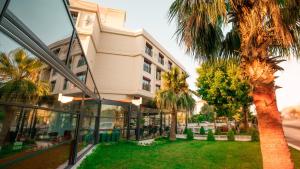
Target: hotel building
x,y
125,63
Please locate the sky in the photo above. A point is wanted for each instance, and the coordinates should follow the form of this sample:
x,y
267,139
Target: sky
x,y
152,16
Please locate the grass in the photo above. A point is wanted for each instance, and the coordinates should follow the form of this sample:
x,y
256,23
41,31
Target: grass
x,y
172,155
296,158
179,155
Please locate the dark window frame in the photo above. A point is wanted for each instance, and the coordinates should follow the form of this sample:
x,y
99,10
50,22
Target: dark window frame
x,y
146,86
81,62
157,87
158,71
161,59
52,84
79,74
170,64
74,15
148,49
147,66
65,86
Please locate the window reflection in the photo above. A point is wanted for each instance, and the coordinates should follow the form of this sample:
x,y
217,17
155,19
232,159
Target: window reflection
x,y
113,118
49,20
48,123
34,129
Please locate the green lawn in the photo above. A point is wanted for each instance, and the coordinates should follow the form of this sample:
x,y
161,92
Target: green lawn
x,y
178,155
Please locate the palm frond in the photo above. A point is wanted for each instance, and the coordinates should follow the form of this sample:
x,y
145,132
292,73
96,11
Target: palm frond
x,y
22,74
199,25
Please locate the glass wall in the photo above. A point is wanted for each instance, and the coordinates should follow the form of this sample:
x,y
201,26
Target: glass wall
x,y
150,123
48,99
48,20
113,122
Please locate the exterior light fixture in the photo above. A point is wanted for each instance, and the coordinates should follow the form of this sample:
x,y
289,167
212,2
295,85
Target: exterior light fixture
x,y
64,99
137,102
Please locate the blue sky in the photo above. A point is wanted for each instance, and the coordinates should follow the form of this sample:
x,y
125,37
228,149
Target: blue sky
x,y
152,16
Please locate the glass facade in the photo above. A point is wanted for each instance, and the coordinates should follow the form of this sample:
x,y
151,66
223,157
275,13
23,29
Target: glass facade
x,y
49,103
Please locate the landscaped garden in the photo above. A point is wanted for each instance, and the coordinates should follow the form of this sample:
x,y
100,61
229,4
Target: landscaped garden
x,y
181,154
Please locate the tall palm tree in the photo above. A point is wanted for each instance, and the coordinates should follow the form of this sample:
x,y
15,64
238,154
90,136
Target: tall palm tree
x,y
21,74
174,95
262,33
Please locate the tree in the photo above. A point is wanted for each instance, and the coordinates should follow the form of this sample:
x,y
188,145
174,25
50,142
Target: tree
x,y
220,84
21,74
209,113
262,33
174,95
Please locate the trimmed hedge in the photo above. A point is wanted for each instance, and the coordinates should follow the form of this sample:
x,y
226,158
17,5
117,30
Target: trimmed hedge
x,y
113,136
210,136
189,134
202,131
230,136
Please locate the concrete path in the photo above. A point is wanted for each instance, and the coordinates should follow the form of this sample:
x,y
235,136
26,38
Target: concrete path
x,y
292,132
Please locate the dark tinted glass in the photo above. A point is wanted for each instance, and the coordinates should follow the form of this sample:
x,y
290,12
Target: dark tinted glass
x,y
49,20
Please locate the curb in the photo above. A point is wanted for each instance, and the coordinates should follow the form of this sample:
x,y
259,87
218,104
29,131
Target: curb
x,y
75,166
294,146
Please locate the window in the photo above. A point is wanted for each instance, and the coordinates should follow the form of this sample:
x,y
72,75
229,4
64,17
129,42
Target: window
x,y
65,84
146,84
53,85
147,66
56,51
158,74
81,76
148,49
74,16
157,87
170,65
54,72
161,59
70,62
81,61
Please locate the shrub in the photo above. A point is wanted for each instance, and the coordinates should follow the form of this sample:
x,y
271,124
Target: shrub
x,y
254,135
202,130
189,134
218,131
210,136
185,131
230,135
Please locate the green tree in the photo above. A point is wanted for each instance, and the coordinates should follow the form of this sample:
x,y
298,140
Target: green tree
x,y
21,74
262,32
220,85
174,95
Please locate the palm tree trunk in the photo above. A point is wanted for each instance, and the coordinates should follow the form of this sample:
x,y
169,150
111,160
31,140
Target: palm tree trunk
x,y
173,126
273,145
245,119
8,119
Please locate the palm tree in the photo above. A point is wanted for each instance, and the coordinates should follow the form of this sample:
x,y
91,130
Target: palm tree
x,y
21,83
262,33
174,95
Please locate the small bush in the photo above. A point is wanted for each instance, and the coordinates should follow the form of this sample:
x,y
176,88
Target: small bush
x,y
210,136
254,135
185,131
189,134
218,131
230,135
202,130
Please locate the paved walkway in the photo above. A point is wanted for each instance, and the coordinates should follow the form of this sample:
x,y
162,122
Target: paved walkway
x,y
292,131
